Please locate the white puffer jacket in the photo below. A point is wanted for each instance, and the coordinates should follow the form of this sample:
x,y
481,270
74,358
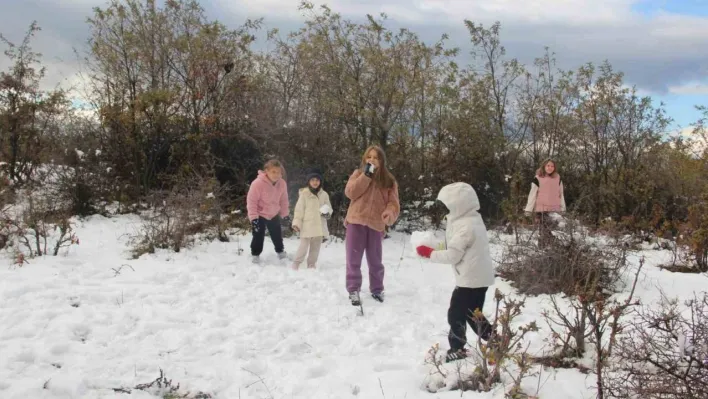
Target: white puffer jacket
x,y
466,238
308,216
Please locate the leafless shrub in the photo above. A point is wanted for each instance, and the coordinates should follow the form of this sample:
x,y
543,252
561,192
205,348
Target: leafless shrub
x,y
572,260
590,315
30,227
194,206
663,353
164,388
504,354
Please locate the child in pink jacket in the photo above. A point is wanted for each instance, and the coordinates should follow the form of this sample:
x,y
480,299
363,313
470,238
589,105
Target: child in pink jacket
x,y
267,202
546,196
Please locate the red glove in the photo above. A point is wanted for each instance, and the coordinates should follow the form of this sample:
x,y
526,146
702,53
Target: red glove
x,y
424,251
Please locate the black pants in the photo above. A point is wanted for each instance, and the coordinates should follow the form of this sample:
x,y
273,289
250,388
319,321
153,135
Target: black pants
x,y
544,221
463,303
276,235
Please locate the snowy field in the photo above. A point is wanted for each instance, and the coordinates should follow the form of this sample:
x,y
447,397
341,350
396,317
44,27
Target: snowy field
x,y
90,320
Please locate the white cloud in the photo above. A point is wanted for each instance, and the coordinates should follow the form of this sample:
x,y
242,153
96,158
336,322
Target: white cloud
x,y
691,88
577,13
656,51
697,142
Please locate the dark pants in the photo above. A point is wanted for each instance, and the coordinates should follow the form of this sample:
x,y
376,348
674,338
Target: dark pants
x,y
276,235
463,303
544,222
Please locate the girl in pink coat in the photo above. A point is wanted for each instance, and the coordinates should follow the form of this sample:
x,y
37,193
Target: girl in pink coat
x,y
546,197
267,202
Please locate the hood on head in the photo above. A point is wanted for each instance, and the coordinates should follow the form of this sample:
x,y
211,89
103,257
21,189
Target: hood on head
x,y
459,198
264,176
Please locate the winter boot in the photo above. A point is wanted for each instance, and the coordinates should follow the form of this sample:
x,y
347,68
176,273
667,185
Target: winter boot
x,y
354,298
282,255
379,296
255,259
453,355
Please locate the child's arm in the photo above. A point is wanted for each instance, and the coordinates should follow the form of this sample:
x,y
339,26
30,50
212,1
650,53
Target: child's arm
x,y
357,185
532,196
299,213
393,208
284,202
455,248
252,201
562,197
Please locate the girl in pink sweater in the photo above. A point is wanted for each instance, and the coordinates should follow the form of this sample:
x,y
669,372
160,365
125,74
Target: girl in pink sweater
x,y
267,202
373,192
546,196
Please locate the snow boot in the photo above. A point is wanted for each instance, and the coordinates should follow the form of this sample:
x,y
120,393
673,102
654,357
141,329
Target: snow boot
x,y
255,259
379,296
354,298
453,355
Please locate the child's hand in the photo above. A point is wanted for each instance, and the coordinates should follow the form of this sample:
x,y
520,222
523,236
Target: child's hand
x,y
387,217
369,170
424,251
296,228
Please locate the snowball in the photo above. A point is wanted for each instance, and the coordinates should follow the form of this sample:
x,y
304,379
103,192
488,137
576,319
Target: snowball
x,y
325,209
427,238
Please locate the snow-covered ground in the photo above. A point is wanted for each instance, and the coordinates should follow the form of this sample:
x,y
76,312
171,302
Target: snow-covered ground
x,y
90,320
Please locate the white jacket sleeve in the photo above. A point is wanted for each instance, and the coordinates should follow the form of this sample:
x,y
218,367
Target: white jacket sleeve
x,y
299,215
456,247
531,203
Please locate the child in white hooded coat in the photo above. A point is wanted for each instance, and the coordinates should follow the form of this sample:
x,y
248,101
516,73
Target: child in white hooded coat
x,y
467,250
312,210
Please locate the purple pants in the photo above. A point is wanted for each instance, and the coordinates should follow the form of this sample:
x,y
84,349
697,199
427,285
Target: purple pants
x,y
360,238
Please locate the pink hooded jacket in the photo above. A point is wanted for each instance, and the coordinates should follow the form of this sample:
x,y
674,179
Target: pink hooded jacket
x,y
266,199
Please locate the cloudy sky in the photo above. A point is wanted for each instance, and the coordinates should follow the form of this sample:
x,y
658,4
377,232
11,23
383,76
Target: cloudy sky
x,y
660,45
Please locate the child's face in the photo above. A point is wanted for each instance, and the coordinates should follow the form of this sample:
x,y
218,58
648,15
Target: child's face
x,y
550,167
373,158
314,182
274,174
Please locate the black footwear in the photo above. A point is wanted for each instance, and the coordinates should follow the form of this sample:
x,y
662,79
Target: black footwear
x,y
453,355
378,296
354,298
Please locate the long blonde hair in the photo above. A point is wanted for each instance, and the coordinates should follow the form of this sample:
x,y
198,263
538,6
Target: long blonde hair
x,y
382,177
541,171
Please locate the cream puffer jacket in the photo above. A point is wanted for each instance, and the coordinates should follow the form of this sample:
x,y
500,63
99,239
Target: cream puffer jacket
x,y
308,215
466,238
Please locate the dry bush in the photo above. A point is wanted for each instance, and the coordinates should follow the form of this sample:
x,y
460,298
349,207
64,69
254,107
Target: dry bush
x,y
84,182
581,274
40,226
572,259
165,389
590,315
195,206
506,356
663,353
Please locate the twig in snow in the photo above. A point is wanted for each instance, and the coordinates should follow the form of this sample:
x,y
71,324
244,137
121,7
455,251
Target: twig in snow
x,y
260,379
400,260
46,384
382,391
120,301
117,271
